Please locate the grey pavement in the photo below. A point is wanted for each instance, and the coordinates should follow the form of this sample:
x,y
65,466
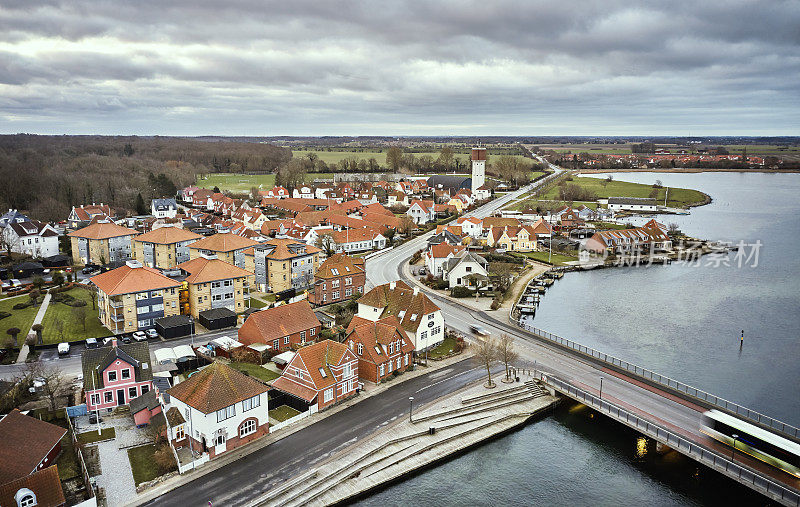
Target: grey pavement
x,y
116,477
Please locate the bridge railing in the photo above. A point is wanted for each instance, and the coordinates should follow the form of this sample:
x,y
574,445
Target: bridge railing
x,y
701,454
712,399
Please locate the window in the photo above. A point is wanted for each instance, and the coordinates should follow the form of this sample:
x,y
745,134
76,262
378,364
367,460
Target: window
x,y
382,371
348,292
179,433
335,295
303,335
25,498
327,396
95,399
248,427
390,366
131,392
347,371
335,283
406,359
399,364
391,348
436,330
324,297
360,349
251,403
286,340
348,281
322,372
141,295
313,331
145,388
108,396
226,413
112,376
423,335
276,344
126,373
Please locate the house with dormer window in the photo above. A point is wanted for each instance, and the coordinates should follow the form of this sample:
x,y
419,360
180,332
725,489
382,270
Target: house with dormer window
x,y
320,375
115,374
383,347
282,327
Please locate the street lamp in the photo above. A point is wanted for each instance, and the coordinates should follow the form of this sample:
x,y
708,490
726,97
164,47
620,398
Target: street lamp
x,y
410,407
601,388
733,452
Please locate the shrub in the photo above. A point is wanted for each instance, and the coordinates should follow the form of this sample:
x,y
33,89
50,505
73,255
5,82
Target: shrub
x,y
3,315
75,302
461,292
21,306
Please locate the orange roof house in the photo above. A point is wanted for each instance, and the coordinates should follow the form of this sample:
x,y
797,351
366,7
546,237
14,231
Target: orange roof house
x,y
132,278
383,348
289,325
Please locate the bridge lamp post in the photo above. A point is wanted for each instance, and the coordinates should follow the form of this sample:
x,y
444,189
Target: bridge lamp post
x,y
601,388
410,407
733,452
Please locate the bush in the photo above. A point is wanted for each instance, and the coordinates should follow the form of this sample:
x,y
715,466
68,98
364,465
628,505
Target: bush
x,y
461,292
75,302
21,306
3,315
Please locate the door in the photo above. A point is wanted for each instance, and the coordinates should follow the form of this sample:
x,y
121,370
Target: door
x,y
120,396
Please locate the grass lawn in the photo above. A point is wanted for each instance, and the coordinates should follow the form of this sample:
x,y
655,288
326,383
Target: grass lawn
x,y
678,197
90,437
608,226
73,329
67,462
21,319
255,371
448,346
257,303
283,413
556,259
143,465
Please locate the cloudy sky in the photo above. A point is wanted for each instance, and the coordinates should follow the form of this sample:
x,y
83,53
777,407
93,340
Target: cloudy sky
x,y
397,67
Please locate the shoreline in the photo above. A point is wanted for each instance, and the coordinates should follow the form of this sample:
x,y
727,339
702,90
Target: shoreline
x,y
686,170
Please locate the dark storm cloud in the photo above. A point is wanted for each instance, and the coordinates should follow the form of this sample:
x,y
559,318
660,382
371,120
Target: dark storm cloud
x,y
303,67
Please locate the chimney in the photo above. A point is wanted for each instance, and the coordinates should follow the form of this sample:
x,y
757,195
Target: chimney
x,y
392,285
114,342
416,291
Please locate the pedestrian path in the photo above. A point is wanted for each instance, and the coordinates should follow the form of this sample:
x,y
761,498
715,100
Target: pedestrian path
x,y
23,350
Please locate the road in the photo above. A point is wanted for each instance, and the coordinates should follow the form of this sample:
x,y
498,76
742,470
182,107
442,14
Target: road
x,y
652,404
248,478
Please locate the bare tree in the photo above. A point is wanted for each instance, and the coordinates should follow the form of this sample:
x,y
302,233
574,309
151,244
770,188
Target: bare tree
x,y
394,156
327,243
80,314
54,383
406,224
506,352
58,327
486,353
674,228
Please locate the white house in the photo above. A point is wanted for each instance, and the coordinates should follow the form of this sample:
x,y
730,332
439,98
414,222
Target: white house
x,y
321,192
421,212
438,254
472,226
632,204
397,198
278,192
12,217
466,269
33,238
421,319
221,409
163,208
303,192
358,240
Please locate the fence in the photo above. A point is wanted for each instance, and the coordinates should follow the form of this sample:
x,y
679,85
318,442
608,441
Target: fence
x,y
691,449
84,469
780,426
291,420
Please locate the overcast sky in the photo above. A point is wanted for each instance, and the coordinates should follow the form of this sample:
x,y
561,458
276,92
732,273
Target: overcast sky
x,y
393,67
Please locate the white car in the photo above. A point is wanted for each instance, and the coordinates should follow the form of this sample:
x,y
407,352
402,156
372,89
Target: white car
x,y
152,333
139,336
63,349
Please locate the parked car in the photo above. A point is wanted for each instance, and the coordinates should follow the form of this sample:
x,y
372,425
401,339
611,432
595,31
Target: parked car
x,y
91,343
152,333
63,349
87,270
139,336
93,418
6,285
423,271
126,338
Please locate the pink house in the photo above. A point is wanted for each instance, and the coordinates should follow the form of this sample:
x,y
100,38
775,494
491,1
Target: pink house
x,y
116,374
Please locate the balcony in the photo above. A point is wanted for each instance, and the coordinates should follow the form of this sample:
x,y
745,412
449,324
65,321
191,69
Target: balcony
x,y
115,303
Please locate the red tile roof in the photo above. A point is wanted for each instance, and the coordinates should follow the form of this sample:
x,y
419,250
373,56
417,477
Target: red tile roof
x,y
168,235
344,264
45,484
267,325
215,387
24,442
102,230
203,270
225,242
400,300
128,280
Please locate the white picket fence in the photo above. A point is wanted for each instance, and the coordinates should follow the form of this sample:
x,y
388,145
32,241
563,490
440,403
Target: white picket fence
x,y
287,422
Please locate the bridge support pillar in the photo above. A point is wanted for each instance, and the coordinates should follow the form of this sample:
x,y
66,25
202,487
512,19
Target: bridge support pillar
x,y
662,448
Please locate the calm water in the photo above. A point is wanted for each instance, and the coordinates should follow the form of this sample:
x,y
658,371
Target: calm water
x,y
680,320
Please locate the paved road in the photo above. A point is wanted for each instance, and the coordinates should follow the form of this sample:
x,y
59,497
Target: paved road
x,y
652,404
244,480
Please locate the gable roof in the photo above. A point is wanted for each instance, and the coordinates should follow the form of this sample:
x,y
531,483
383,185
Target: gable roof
x,y
44,483
443,250
400,301
203,270
24,442
284,248
215,387
102,230
378,334
344,265
32,228
167,236
94,361
267,325
223,242
127,280
321,355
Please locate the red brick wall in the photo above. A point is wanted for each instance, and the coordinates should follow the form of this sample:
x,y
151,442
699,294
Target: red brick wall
x,y
294,339
315,298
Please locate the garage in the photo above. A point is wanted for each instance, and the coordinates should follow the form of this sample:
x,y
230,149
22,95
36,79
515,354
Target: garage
x,y
175,326
217,318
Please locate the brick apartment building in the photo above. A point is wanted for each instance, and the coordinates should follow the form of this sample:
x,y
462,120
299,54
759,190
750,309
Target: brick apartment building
x,y
339,278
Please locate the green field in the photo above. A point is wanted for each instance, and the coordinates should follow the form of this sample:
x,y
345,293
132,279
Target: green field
x,y
21,319
73,329
143,464
242,183
92,436
678,197
556,259
283,413
335,156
